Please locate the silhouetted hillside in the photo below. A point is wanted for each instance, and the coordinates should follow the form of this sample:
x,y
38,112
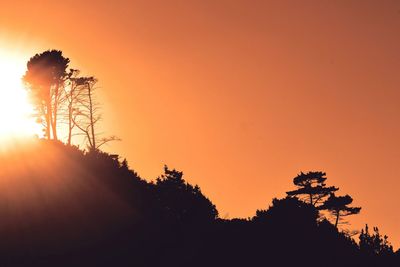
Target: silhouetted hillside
x,y
60,206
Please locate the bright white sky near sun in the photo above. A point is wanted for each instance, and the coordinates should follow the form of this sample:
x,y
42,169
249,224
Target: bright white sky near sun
x,y
15,109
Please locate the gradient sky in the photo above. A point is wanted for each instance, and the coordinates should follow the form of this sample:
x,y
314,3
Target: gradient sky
x,y
240,95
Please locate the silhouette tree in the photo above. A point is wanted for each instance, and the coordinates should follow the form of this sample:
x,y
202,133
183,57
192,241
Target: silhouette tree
x,y
374,244
181,202
312,185
338,206
45,77
73,94
90,209
87,114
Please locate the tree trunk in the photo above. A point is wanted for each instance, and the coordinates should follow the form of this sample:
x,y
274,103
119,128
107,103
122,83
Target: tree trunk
x,y
48,117
55,111
54,128
48,125
93,143
71,94
337,219
69,123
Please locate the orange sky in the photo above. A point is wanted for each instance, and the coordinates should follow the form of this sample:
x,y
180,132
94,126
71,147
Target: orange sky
x,y
240,95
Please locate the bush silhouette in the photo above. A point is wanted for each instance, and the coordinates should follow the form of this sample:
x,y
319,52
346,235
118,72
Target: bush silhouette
x,y
181,202
60,206
289,212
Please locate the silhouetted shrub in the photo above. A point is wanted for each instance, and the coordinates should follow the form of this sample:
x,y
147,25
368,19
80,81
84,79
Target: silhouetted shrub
x,y
290,212
60,206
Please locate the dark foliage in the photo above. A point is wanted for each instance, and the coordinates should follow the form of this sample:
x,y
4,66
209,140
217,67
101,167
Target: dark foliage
x,y
312,186
292,212
338,206
46,68
60,206
375,247
45,75
182,203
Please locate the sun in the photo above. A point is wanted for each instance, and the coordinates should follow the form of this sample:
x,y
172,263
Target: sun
x,y
16,118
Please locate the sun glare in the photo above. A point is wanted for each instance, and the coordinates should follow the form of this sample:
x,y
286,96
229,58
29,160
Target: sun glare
x,y
15,110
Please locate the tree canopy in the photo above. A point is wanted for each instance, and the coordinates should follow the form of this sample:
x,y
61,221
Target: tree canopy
x,y
312,185
338,206
45,77
62,96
